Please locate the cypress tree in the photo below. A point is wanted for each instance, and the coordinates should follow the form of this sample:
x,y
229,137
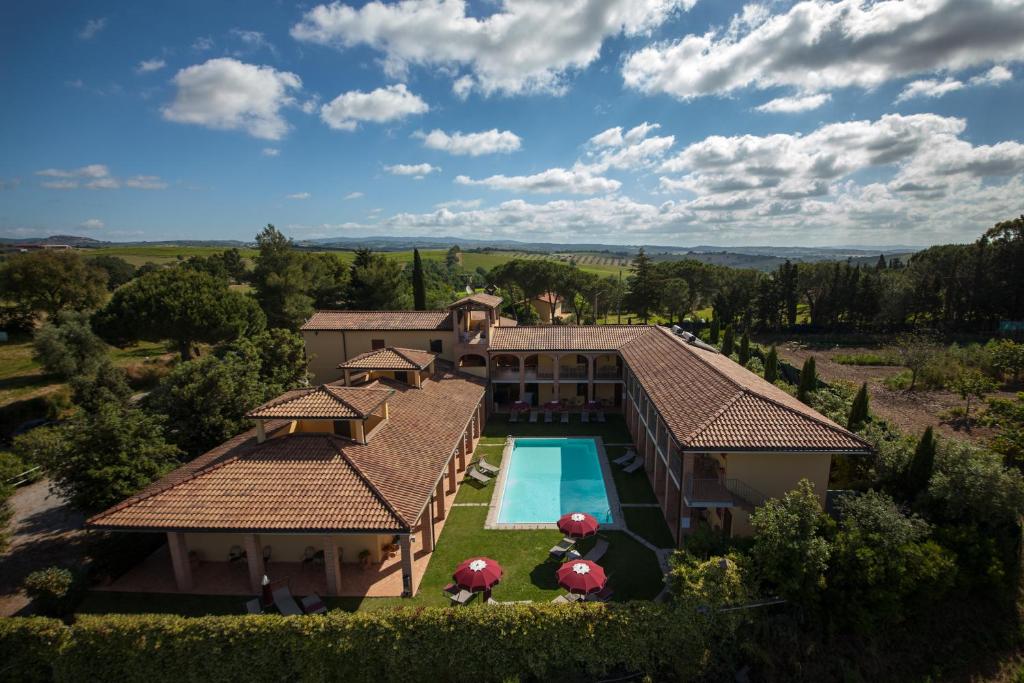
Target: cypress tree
x,y
744,353
771,365
808,380
919,471
715,330
727,341
859,408
419,287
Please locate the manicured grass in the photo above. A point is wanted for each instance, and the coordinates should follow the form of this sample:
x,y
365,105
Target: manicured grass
x,y
472,491
650,524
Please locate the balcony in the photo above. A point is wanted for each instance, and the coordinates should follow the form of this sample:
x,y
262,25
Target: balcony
x,y
608,373
717,493
572,372
505,374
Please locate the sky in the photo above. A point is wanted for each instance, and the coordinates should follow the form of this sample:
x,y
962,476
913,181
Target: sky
x,y
667,122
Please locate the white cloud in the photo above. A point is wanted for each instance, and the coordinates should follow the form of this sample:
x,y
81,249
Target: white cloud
x,y
299,195
473,144
796,103
817,46
96,177
91,224
393,102
148,65
227,94
202,44
460,204
929,88
524,46
270,151
553,180
352,195
418,171
994,76
251,41
92,28
634,149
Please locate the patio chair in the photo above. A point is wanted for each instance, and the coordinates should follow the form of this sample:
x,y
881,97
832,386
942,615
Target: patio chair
x,y
286,604
312,556
236,553
559,550
565,418
253,606
585,416
600,416
625,459
513,416
486,467
533,416
312,604
548,416
634,466
478,476
598,551
462,597
603,595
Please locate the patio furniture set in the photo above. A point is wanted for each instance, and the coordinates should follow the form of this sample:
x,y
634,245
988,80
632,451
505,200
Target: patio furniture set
x,y
482,472
592,408
629,462
282,598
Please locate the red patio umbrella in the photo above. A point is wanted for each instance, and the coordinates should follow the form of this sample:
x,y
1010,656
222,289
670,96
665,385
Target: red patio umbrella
x,y
581,576
477,574
578,524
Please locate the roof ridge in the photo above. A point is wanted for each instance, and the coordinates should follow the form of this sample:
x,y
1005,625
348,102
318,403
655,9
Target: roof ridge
x,y
711,420
282,398
339,443
348,404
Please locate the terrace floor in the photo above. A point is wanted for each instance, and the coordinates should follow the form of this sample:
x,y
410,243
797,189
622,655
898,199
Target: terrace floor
x,y
635,569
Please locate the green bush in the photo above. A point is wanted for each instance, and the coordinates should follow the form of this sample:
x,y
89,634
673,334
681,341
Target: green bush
x,y
532,642
53,590
866,359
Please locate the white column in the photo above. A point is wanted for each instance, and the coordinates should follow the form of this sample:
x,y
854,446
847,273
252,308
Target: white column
x,y
179,559
254,556
332,566
406,551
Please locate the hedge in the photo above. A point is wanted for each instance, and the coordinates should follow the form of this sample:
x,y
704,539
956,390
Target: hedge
x,y
517,642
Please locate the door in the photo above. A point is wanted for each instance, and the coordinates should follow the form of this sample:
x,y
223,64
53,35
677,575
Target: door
x,y
727,522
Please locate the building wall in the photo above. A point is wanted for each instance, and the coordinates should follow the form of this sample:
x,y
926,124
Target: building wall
x,y
327,349
774,474
214,547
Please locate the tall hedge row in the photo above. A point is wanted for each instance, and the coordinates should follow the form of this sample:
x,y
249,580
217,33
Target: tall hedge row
x,y
524,642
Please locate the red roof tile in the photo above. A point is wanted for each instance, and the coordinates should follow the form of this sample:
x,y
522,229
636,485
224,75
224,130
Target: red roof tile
x,y
565,337
327,401
379,320
390,358
489,300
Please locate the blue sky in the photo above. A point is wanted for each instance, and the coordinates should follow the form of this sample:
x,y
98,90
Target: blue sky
x,y
626,121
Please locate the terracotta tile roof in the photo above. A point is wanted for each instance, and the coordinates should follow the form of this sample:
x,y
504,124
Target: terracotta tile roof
x,y
327,401
565,337
316,482
489,300
391,358
379,320
300,482
507,322
710,402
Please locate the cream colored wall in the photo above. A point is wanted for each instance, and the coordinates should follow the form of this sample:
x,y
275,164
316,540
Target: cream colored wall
x,y
775,474
326,350
214,547
545,393
605,391
317,426
476,371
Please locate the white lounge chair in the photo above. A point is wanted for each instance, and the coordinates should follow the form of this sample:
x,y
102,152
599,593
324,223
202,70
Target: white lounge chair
x,y
565,418
626,459
634,466
313,604
533,416
486,467
286,603
559,550
600,416
478,476
585,416
513,416
548,416
462,597
254,607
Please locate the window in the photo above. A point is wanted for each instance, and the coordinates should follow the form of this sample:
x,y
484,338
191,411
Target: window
x,y
402,376
343,428
436,345
377,344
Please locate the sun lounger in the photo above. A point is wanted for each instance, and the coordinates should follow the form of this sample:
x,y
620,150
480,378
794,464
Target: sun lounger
x,y
598,551
462,597
312,604
513,416
478,476
492,601
600,416
533,416
567,598
625,459
634,466
286,604
603,595
548,416
565,418
565,545
584,416
253,606
486,467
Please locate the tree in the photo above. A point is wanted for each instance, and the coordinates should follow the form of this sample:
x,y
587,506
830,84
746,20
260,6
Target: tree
x,y
728,341
771,365
102,456
971,383
280,281
377,283
915,351
744,352
108,384
789,550
808,380
677,299
419,287
859,410
1007,357
1007,415
118,270
972,485
644,287
788,279
48,281
67,346
921,466
453,257
715,330
279,356
183,305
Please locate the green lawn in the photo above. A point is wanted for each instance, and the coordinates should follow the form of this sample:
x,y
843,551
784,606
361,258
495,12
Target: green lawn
x,y
650,524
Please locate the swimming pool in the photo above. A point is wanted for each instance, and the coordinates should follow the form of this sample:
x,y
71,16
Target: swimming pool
x,y
547,478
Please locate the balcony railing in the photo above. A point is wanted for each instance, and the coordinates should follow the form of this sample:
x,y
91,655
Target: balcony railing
x,y
569,372
505,373
608,373
704,493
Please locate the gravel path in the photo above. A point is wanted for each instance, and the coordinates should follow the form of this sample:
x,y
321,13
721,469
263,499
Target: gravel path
x,y
45,531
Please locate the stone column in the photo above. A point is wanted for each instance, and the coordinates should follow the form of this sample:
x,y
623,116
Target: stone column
x,y
439,495
179,559
406,553
452,483
556,372
462,455
254,556
590,377
522,374
684,509
427,530
332,566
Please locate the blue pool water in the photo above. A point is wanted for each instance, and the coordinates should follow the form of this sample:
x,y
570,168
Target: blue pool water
x,y
550,477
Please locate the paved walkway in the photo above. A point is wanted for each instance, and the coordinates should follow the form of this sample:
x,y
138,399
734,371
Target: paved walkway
x,y
661,553
45,531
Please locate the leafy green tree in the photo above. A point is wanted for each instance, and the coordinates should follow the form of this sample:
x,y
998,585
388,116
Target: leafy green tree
x,y
279,356
106,454
419,287
281,283
118,270
728,341
453,258
971,383
1007,357
744,352
790,550
377,283
972,485
771,365
915,350
859,409
921,466
183,305
716,328
808,380
48,281
1007,416
108,384
67,346
644,287
720,581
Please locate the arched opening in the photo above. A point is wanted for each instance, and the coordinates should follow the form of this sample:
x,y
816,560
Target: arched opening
x,y
504,367
472,360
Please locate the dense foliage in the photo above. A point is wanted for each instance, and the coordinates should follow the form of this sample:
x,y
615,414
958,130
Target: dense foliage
x,y
48,281
67,346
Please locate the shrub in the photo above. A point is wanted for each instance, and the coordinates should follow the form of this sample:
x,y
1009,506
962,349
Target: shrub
x,y
728,341
865,359
67,346
771,366
859,410
53,590
29,648
755,366
808,379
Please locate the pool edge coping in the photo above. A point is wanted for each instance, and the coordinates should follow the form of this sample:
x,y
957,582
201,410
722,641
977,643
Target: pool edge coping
x,y
618,522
